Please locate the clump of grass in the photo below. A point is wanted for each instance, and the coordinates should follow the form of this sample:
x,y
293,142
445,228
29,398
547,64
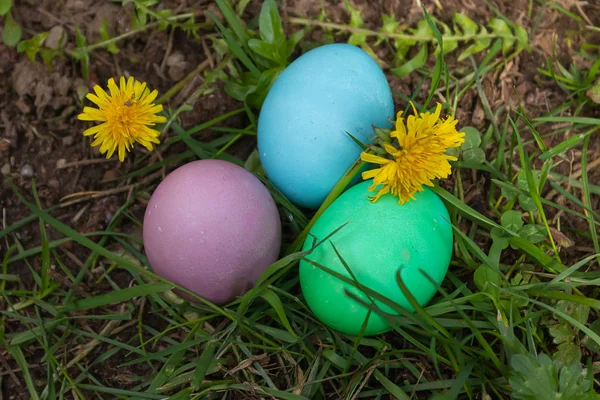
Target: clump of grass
x,y
514,317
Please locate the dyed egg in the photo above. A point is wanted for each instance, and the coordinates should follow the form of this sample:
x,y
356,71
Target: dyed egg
x,y
303,124
380,239
213,228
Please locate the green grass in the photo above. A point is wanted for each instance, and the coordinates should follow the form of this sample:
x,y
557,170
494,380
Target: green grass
x,y
515,293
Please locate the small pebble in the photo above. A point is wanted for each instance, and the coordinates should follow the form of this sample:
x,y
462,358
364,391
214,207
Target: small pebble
x,y
22,106
54,184
27,171
110,174
60,163
68,141
53,40
6,169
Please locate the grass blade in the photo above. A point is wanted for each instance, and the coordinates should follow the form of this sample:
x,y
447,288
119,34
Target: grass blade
x,y
117,296
275,302
440,65
45,280
204,363
572,120
534,191
19,357
586,193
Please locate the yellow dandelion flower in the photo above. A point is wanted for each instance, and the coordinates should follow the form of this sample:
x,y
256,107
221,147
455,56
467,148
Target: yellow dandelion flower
x,y
126,115
419,158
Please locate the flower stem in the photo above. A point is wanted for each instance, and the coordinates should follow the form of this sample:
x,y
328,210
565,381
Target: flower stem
x,y
134,32
334,194
179,85
405,36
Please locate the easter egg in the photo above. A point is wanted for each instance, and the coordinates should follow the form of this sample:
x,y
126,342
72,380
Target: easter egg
x,y
378,240
213,228
304,122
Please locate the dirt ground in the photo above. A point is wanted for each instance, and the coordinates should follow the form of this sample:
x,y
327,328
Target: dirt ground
x,y
41,139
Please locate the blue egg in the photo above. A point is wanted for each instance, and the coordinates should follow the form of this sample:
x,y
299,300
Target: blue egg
x,y
302,139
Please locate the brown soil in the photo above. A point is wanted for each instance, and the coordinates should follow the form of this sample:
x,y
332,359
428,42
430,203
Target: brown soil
x,y
39,130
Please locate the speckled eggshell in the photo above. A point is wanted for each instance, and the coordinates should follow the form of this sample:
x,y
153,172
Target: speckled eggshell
x,y
303,124
379,239
213,228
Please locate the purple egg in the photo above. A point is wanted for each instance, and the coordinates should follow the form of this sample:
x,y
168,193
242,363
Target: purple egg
x,y
213,228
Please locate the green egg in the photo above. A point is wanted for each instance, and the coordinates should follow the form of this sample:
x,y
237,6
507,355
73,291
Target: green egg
x,y
378,240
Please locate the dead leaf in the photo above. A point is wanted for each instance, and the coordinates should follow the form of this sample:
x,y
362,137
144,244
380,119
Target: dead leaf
x,y
247,363
560,238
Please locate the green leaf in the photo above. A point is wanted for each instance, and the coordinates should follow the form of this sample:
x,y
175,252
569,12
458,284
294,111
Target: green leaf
x,y
31,46
594,93
512,220
414,63
588,342
388,25
533,233
257,96
262,48
501,28
487,280
579,312
269,23
163,15
498,233
5,6
533,378
48,55
574,386
403,46
561,333
11,34
423,30
508,192
81,53
357,38
478,46
138,18
522,38
526,201
475,155
112,48
253,164
568,353
356,21
80,40
449,44
469,28
471,152
292,42
232,43
547,262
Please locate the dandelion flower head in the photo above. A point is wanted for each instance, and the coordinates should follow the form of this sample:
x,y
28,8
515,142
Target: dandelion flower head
x,y
126,115
417,158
